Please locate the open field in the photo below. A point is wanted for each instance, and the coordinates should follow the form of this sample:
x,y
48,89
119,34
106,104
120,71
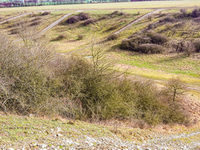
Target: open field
x,y
123,5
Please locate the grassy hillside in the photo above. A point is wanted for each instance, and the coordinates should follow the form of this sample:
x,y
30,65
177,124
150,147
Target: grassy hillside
x,y
81,69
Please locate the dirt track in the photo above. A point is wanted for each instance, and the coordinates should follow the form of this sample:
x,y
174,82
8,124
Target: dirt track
x,y
55,23
13,18
138,20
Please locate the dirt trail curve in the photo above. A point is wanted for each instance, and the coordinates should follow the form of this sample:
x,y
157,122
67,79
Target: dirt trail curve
x,y
13,18
184,141
56,23
137,20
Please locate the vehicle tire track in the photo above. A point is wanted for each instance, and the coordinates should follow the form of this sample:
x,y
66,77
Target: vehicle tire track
x,y
137,20
13,18
55,23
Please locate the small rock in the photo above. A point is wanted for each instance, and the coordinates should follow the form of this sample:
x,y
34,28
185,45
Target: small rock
x,y
43,145
71,123
59,135
59,129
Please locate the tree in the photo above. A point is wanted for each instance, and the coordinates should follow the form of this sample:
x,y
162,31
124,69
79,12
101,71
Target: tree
x,y
175,88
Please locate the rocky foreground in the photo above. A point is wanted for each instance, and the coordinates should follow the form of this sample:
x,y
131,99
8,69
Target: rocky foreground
x,y
39,133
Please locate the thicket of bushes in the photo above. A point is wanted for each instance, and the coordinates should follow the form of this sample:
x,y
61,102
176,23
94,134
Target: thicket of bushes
x,y
35,80
195,13
149,43
154,43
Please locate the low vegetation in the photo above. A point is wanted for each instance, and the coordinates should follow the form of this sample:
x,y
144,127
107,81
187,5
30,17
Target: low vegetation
x,y
35,80
149,43
76,18
176,32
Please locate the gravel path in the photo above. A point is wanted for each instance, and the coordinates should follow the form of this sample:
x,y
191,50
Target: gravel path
x,y
189,141
175,142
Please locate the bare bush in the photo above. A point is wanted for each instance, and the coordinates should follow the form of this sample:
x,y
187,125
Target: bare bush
x,y
133,42
80,37
195,13
185,46
167,19
59,38
88,22
112,37
151,49
175,88
196,43
24,71
183,12
157,38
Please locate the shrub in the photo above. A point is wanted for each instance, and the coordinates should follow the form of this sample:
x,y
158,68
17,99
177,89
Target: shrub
x,y
116,13
14,31
77,18
147,104
157,38
150,49
71,20
35,23
143,44
128,45
173,114
102,96
174,89
24,70
197,20
36,19
58,38
83,16
168,19
152,26
80,37
112,37
133,42
88,22
183,13
152,109
197,45
172,45
86,82
44,13
186,46
195,13
112,28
